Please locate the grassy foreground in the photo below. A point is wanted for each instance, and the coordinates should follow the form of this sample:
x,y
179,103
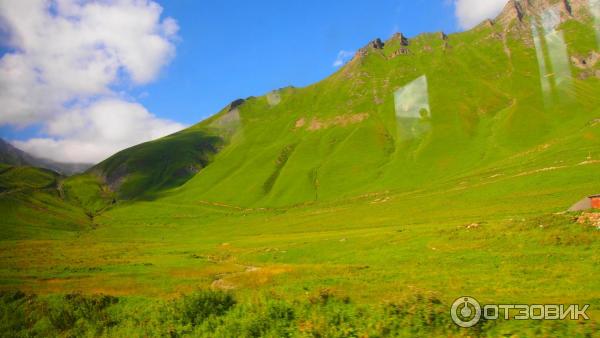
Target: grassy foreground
x,y
218,314
387,264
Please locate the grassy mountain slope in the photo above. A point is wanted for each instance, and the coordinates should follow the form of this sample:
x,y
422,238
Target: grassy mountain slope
x,y
341,137
33,206
88,192
145,169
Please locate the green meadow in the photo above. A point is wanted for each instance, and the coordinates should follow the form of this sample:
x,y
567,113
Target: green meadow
x,y
324,212
377,265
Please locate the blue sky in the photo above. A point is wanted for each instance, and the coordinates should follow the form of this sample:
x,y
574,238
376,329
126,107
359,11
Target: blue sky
x,y
235,49
82,80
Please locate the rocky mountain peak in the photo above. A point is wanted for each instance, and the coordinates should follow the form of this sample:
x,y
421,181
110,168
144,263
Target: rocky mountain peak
x,y
519,10
512,11
236,103
400,37
375,44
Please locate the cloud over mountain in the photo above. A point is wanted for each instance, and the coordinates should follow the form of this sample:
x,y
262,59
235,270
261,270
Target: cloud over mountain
x,y
66,63
472,12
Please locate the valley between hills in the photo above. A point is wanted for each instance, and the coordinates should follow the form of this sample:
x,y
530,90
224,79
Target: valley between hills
x,y
425,169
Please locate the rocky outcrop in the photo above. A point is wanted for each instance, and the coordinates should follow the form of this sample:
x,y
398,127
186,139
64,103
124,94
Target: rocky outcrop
x,y
375,44
517,11
511,12
236,104
579,8
115,178
516,17
400,51
587,64
403,41
400,37
587,61
536,7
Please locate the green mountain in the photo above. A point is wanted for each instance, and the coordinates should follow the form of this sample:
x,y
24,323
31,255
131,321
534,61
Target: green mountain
x,y
33,204
144,169
402,115
424,170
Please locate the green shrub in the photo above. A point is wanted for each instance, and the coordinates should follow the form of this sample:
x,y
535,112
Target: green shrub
x,y
14,312
76,311
217,314
201,305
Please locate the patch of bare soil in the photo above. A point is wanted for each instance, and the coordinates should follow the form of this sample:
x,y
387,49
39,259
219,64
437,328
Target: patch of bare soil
x,y
587,61
222,281
222,284
340,120
587,64
249,277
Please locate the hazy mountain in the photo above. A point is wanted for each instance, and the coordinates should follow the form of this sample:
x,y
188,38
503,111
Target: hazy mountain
x,y
14,156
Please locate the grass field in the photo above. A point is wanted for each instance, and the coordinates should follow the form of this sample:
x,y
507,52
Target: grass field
x,y
328,211
477,238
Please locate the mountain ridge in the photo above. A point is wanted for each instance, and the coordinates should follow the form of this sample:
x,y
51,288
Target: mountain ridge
x,y
10,154
406,104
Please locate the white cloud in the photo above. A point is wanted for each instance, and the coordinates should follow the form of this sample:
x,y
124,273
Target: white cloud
x,y
98,131
342,57
472,12
66,57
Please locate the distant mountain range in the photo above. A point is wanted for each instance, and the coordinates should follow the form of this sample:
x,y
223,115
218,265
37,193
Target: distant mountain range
x,y
9,154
